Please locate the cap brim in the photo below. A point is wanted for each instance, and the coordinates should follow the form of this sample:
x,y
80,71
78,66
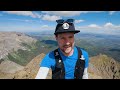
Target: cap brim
x,y
76,31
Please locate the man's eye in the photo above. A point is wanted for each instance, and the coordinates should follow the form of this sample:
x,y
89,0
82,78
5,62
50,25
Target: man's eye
x,y
71,37
62,38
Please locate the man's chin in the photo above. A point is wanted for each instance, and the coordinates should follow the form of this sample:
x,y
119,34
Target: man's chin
x,y
68,50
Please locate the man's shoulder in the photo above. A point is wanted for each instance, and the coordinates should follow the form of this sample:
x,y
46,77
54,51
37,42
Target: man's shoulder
x,y
48,60
49,54
84,51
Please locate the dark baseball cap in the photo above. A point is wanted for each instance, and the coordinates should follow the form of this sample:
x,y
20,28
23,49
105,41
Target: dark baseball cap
x,y
64,26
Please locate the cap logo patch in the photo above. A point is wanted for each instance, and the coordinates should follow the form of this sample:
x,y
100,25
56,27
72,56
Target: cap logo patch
x,y
65,26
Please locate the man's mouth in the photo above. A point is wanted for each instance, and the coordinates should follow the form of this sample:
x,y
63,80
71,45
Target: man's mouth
x,y
66,46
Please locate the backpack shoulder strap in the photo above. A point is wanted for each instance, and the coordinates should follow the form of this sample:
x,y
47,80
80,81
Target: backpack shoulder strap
x,y
58,58
80,65
59,71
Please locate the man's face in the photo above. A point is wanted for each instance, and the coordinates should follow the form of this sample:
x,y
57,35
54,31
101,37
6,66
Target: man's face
x,y
65,42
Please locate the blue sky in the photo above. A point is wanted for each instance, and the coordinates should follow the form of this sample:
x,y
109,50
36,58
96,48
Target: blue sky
x,y
104,22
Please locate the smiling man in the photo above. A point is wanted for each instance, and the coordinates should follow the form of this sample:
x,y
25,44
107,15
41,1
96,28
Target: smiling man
x,y
67,61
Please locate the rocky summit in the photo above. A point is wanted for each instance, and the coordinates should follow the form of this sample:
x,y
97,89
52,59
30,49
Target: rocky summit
x,y
100,67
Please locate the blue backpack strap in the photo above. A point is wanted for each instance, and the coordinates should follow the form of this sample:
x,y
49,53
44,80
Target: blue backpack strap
x,y
80,65
59,71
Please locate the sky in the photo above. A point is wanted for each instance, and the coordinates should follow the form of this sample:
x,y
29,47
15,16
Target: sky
x,y
103,22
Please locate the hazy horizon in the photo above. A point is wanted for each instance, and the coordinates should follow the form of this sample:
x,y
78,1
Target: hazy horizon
x,y
101,22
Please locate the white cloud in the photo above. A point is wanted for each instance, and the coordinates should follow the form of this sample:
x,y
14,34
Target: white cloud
x,y
111,26
94,26
69,13
63,13
37,15
108,25
90,27
79,21
111,12
46,27
107,28
24,13
23,28
50,18
25,20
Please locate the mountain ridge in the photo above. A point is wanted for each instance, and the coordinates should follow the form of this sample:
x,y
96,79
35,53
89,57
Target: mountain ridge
x,y
10,44
20,57
100,67
11,41
95,70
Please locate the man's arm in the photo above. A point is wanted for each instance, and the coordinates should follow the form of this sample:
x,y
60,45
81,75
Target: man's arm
x,y
85,74
42,73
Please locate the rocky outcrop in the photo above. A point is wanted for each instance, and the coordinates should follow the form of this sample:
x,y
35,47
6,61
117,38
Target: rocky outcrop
x,y
17,49
28,72
104,67
9,67
31,69
11,41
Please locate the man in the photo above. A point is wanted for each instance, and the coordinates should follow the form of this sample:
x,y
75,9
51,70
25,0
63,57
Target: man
x,y
68,61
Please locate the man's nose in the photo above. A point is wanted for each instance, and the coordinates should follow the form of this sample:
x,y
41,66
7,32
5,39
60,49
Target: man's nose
x,y
67,41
